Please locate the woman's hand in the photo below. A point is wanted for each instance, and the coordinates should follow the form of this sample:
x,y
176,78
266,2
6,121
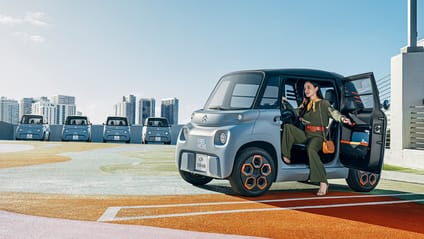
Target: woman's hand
x,y
346,120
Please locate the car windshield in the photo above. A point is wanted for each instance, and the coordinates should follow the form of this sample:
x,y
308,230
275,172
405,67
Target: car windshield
x,y
117,121
76,121
157,122
234,92
32,119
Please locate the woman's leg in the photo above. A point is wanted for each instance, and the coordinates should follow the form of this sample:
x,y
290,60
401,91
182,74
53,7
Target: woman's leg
x,y
291,135
318,173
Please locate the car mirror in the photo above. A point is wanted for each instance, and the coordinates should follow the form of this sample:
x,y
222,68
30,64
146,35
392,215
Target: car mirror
x,y
386,104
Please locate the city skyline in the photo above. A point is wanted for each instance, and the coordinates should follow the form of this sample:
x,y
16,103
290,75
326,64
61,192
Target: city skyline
x,y
56,108
99,51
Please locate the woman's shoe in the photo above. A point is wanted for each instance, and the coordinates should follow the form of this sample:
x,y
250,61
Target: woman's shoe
x,y
286,160
323,192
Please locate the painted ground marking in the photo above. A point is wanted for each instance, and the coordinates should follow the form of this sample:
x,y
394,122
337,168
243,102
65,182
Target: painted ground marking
x,y
110,214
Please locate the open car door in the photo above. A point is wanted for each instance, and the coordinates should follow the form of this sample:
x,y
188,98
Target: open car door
x,y
362,145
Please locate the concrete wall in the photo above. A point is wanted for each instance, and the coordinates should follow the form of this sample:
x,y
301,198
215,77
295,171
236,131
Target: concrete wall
x,y
7,132
407,79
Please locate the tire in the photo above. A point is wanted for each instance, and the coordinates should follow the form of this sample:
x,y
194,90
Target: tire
x,y
253,173
195,179
362,181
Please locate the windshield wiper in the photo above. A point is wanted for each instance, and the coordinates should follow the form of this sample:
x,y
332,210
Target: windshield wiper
x,y
217,108
222,108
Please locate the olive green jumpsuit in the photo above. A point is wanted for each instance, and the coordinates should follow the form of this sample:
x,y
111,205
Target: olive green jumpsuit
x,y
313,140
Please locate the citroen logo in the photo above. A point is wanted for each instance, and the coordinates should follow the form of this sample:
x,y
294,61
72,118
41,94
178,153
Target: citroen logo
x,y
204,119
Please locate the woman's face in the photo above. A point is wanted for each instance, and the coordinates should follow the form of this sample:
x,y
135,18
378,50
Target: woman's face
x,y
310,90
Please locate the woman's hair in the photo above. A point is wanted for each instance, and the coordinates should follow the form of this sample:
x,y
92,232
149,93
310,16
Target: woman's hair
x,y
306,99
315,84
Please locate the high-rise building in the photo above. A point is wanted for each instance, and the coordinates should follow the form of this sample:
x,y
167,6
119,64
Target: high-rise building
x,y
146,109
126,108
63,99
65,106
45,108
169,110
26,106
9,110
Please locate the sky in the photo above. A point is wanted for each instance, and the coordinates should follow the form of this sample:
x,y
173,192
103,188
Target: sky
x,y
101,50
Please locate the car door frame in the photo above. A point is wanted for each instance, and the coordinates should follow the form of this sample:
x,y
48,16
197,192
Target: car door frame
x,y
366,158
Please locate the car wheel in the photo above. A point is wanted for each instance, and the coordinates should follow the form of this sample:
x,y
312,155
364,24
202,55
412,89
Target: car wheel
x,y
362,181
195,179
253,172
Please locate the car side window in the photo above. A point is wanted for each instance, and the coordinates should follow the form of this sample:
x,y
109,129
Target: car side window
x,y
270,96
291,95
359,95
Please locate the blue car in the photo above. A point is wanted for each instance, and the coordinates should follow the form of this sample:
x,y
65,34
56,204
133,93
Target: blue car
x,y
76,128
32,127
116,129
156,130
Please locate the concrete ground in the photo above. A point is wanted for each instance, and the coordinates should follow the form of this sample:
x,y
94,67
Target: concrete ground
x,y
133,170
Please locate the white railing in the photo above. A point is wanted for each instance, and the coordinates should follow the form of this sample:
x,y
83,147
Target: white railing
x,y
417,127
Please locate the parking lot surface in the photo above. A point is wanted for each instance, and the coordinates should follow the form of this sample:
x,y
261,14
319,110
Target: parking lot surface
x,y
93,185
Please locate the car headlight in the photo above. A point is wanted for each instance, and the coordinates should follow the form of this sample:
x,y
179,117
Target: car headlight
x,y
149,132
166,133
221,137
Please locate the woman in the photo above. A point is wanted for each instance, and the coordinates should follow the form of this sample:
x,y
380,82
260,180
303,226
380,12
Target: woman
x,y
314,112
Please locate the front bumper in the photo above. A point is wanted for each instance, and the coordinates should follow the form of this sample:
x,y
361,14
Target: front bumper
x,y
198,153
116,137
75,137
30,136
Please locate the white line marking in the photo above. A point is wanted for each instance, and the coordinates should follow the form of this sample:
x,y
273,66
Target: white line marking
x,y
111,212
265,201
264,210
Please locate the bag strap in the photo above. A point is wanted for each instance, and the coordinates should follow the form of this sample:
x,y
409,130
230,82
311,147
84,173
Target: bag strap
x,y
322,122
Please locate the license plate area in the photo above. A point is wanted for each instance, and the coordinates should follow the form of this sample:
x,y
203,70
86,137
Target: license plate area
x,y
202,163
29,136
158,139
75,137
116,137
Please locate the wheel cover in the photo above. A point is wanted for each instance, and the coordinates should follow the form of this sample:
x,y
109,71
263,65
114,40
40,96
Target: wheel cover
x,y
256,172
367,178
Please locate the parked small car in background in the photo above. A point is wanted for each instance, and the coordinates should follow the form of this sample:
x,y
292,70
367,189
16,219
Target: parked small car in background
x,y
32,127
116,129
156,129
76,128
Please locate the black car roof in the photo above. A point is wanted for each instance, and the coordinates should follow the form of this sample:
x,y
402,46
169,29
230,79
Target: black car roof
x,y
295,72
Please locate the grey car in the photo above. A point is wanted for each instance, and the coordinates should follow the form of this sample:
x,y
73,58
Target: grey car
x,y
116,129
32,127
76,128
237,135
156,130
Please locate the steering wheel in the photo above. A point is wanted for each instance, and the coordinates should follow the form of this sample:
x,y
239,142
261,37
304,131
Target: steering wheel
x,y
288,114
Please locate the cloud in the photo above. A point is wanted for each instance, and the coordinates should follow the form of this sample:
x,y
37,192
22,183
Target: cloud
x,y
8,20
31,19
29,38
38,19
